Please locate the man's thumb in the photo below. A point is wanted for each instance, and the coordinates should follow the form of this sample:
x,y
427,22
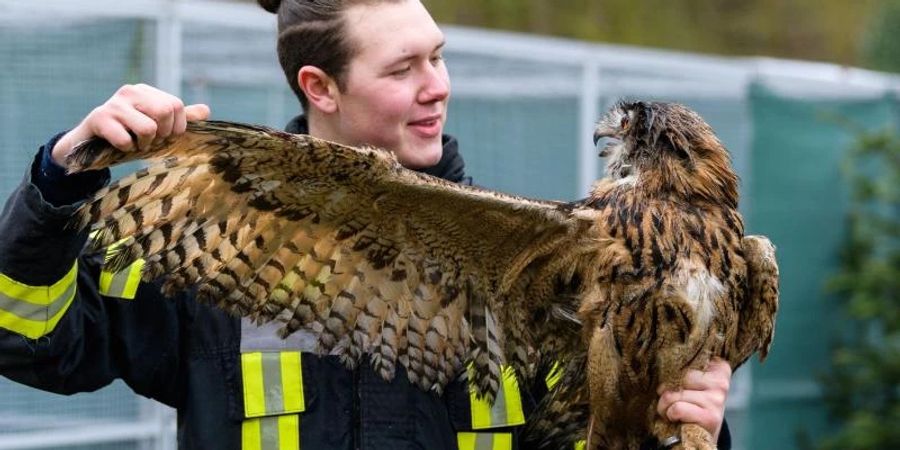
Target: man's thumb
x,y
196,112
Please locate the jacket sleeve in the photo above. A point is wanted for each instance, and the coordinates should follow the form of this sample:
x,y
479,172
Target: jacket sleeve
x,y
57,332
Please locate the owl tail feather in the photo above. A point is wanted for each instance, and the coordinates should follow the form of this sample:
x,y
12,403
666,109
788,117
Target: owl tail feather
x,y
561,418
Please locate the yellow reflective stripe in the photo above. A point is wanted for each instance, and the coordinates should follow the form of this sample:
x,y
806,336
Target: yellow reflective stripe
x,y
554,375
466,441
37,295
484,441
134,279
271,433
481,411
514,413
105,281
34,311
292,382
506,409
289,432
254,394
273,383
124,283
251,438
502,441
581,445
31,328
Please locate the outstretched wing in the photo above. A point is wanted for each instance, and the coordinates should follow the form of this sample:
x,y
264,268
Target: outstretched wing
x,y
756,322
374,258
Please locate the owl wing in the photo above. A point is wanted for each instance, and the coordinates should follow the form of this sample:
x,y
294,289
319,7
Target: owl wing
x,y
756,327
371,257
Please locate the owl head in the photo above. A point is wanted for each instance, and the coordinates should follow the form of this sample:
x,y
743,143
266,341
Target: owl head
x,y
666,146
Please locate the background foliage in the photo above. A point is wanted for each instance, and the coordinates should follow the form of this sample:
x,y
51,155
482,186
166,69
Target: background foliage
x,y
860,32
881,40
863,388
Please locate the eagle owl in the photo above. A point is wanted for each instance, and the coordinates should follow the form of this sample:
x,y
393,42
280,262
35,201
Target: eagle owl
x,y
646,278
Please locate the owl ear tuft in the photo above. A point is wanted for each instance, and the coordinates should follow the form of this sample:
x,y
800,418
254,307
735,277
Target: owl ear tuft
x,y
645,114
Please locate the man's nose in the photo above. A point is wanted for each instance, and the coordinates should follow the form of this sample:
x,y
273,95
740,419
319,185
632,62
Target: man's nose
x,y
436,85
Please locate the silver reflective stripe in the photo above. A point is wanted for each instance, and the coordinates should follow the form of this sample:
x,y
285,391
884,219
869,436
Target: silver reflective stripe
x,y
499,413
117,285
271,365
268,430
30,311
506,409
484,441
271,433
34,311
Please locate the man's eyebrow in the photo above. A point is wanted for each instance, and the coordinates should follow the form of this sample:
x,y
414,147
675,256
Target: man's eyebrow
x,y
402,59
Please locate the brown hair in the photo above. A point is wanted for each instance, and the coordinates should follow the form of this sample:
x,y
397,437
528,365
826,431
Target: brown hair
x,y
312,33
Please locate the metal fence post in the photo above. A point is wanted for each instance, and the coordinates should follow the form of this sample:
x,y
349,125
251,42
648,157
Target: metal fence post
x,y
588,163
168,48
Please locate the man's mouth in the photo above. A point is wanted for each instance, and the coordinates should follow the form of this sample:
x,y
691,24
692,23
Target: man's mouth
x,y
427,127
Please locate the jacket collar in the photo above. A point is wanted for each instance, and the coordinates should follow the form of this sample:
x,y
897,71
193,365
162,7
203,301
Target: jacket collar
x,y
451,167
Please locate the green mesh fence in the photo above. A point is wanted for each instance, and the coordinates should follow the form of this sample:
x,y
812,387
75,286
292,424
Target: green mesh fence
x,y
800,201
49,79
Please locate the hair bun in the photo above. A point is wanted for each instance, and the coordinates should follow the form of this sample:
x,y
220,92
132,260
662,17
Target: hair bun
x,y
270,5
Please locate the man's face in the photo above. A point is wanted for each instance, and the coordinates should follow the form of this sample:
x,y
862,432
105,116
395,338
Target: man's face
x,y
396,86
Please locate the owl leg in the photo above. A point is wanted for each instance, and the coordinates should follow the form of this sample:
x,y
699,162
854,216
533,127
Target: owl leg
x,y
695,437
691,347
685,436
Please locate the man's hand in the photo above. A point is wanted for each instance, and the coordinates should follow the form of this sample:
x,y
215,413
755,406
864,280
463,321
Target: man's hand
x,y
146,112
702,398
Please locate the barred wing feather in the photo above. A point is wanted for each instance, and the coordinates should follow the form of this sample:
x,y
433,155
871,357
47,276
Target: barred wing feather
x,y
376,259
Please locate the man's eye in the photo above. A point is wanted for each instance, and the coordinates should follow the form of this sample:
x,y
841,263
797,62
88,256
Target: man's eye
x,y
436,59
401,71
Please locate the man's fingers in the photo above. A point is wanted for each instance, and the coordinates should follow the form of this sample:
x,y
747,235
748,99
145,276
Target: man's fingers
x,y
686,412
717,376
180,122
135,115
703,399
161,111
116,134
690,413
143,128
198,111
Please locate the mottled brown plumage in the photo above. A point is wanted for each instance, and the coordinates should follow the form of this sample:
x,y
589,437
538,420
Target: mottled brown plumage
x,y
403,268
376,259
680,284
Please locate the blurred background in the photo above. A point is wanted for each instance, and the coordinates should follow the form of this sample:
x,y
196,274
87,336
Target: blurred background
x,y
800,91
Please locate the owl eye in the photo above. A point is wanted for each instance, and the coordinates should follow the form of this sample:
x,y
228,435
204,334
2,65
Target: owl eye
x,y
624,123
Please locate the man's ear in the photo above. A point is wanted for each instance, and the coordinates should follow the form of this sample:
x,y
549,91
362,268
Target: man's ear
x,y
321,90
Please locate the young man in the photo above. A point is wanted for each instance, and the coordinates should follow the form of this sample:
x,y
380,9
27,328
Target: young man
x,y
367,72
